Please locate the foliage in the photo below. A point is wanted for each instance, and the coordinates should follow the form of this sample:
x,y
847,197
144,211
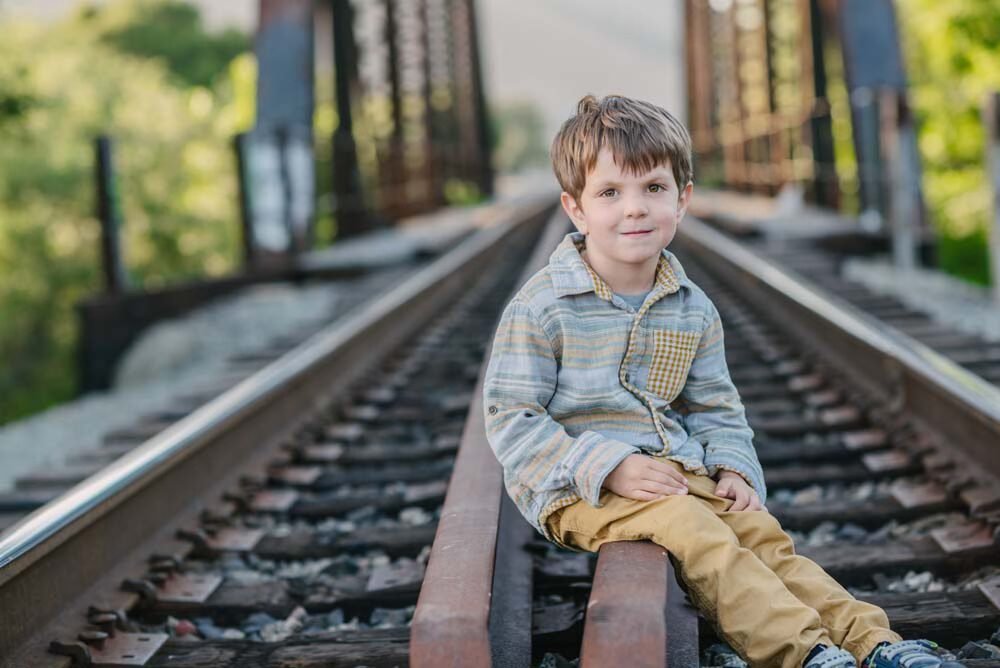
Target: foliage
x,y
952,49
518,129
170,31
62,85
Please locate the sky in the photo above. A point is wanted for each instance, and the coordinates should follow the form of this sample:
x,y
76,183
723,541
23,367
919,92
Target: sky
x,y
551,52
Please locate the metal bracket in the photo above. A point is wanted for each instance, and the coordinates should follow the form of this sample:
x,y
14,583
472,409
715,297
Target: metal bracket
x,y
868,439
910,495
189,588
789,367
274,500
991,590
227,539
234,539
823,398
839,416
346,431
955,540
812,381
322,452
891,460
296,475
126,649
362,413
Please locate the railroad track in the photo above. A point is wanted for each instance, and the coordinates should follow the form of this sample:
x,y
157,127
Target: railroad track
x,y
290,523
823,267
879,458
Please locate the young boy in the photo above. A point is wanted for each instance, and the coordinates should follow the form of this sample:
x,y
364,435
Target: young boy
x,y
610,407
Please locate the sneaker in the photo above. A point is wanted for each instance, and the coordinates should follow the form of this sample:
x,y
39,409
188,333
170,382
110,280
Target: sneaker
x,y
908,654
832,657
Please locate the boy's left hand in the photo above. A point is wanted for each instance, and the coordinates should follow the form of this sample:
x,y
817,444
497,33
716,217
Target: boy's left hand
x,y
731,485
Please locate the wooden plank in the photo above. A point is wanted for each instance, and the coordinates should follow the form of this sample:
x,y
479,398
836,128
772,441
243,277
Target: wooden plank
x,y
869,513
950,618
377,648
853,563
278,598
307,544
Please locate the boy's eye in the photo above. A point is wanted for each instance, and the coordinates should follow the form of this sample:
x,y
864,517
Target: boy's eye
x,y
609,191
656,188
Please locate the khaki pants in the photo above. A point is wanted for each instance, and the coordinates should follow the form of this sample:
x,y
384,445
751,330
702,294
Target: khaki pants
x,y
739,568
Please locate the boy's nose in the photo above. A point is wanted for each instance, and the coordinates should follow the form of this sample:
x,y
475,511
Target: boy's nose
x,y
635,209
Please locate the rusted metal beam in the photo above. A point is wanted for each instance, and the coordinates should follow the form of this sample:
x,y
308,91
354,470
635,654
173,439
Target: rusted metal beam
x,y
637,610
452,622
110,215
991,125
349,210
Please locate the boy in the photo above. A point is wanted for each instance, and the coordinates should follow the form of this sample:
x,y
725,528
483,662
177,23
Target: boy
x,y
610,407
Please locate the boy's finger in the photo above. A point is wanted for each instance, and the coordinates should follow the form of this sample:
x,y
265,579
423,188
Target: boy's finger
x,y
662,488
657,476
640,495
740,503
666,468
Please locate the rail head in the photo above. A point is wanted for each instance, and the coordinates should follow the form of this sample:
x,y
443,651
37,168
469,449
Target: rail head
x,y
956,405
451,622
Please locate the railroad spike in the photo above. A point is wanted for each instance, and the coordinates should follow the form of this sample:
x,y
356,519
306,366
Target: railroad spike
x,y
196,536
144,588
77,651
94,638
105,621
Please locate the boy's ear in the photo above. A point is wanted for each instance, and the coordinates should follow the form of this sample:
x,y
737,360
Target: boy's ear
x,y
684,200
574,211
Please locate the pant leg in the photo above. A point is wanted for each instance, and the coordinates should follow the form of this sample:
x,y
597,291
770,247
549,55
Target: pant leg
x,y
855,625
752,608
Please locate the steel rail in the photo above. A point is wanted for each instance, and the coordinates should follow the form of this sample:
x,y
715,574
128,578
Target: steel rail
x,y
53,555
451,623
960,408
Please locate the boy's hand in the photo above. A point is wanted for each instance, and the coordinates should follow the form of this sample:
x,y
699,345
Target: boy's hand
x,y
731,485
644,479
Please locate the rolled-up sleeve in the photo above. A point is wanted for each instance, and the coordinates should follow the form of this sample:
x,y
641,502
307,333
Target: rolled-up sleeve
x,y
714,414
534,449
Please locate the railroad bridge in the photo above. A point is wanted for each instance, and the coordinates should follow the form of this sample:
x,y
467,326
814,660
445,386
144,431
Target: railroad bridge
x,y
326,495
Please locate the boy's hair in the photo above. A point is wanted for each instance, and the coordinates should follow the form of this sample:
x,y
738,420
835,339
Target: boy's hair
x,y
639,135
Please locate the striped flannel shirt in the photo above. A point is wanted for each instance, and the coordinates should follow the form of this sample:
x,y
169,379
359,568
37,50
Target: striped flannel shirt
x,y
578,380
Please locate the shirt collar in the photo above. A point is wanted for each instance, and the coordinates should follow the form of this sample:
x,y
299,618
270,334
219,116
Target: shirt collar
x,y
572,275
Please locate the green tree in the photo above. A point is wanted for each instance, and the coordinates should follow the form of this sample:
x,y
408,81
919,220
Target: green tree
x,y
519,132
62,85
952,49
169,31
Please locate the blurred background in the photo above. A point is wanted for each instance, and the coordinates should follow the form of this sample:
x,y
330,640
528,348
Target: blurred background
x,y
175,82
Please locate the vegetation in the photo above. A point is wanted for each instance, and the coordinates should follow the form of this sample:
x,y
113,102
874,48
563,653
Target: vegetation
x,y
952,49
171,96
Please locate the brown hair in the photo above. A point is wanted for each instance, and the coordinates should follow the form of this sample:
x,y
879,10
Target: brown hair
x,y
640,136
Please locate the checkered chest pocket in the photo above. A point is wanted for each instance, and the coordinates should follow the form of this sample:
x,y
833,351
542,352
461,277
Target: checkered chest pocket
x,y
673,352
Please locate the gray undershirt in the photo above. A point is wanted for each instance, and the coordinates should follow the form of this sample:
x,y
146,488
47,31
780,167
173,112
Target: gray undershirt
x,y
635,301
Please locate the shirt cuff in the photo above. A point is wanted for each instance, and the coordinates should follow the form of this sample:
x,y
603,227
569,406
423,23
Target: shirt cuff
x,y
594,457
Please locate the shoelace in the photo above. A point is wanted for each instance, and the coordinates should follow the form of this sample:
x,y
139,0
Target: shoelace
x,y
911,653
832,657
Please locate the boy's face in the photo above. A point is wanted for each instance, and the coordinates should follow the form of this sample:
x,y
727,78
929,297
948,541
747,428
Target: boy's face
x,y
628,218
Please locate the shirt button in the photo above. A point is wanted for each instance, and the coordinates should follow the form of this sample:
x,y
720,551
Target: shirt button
x,y
627,378
493,410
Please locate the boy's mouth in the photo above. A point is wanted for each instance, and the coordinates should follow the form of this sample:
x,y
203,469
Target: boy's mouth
x,y
636,233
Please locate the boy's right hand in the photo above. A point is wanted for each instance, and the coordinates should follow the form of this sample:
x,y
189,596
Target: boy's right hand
x,y
643,478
